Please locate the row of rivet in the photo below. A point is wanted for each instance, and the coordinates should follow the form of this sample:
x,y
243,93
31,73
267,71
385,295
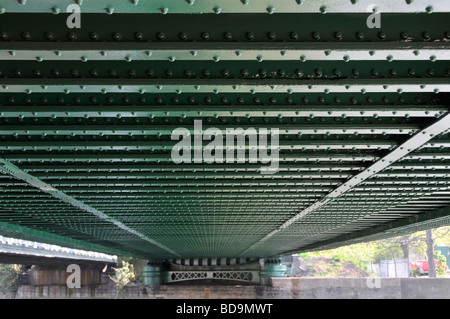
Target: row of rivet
x,y
226,100
248,36
217,9
261,73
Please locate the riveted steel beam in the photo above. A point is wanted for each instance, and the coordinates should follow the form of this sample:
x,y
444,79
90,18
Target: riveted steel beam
x,y
191,175
139,157
225,6
54,51
168,129
415,142
198,169
153,145
10,169
224,111
67,86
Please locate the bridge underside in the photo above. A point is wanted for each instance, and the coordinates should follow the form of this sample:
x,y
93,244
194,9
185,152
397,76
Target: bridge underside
x,y
86,116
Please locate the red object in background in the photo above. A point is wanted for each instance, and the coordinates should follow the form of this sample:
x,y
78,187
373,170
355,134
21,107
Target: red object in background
x,y
423,265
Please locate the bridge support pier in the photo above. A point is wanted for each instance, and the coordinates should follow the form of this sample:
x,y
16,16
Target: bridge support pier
x,y
271,268
248,271
153,274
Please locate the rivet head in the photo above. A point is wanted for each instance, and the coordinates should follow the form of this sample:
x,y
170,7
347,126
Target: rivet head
x,y
270,10
160,35
271,35
382,35
338,35
116,36
205,35
360,35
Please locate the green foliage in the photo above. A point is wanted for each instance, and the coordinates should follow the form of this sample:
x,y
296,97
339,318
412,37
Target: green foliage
x,y
124,275
415,272
358,263
386,250
442,236
304,256
8,277
442,262
363,254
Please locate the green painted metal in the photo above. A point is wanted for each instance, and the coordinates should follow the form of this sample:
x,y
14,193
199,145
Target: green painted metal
x,y
23,51
9,169
223,86
224,6
86,117
152,275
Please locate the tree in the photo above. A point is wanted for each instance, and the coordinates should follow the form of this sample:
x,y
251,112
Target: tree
x,y
9,275
124,275
430,253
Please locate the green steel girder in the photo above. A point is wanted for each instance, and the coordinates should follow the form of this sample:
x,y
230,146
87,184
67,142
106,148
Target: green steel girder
x,y
248,27
148,130
84,52
224,6
86,117
242,86
22,111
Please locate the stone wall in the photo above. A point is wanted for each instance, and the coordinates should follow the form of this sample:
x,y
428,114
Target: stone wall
x,y
282,288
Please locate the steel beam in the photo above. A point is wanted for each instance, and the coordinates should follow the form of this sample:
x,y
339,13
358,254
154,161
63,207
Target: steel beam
x,y
375,52
297,111
225,6
216,86
137,130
